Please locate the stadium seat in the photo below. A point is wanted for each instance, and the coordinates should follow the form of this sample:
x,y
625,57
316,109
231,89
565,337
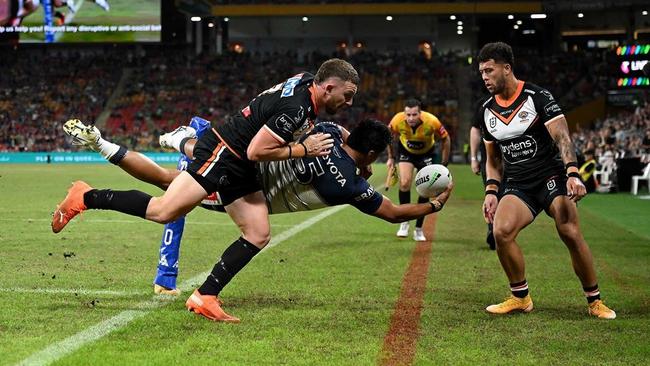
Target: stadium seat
x,y
645,176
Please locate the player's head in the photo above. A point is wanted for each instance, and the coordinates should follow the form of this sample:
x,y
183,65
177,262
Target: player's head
x,y
370,137
412,111
339,81
495,62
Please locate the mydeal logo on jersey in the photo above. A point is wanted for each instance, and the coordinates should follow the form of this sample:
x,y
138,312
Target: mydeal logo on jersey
x,y
522,149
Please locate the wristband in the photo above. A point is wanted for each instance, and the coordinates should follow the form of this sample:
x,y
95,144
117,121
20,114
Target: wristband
x,y
474,158
574,175
289,146
305,147
491,191
435,208
570,164
493,181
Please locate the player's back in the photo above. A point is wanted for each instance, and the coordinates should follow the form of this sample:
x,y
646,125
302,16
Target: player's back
x,y
286,109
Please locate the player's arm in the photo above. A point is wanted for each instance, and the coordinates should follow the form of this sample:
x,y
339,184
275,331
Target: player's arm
x,y
474,144
446,150
399,213
559,130
493,182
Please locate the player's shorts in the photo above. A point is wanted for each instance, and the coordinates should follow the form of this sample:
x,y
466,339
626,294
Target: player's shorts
x,y
418,160
217,169
537,194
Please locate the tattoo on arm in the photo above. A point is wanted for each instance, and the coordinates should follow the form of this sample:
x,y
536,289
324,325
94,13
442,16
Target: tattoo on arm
x,y
560,133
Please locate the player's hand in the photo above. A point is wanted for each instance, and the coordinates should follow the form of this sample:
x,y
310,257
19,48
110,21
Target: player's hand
x,y
490,207
365,172
476,167
318,144
575,189
444,196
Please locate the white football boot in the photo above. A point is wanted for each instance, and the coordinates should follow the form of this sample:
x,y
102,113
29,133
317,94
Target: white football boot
x,y
403,231
82,135
172,140
418,235
103,4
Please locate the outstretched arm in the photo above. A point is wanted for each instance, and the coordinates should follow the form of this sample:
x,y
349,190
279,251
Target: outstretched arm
x,y
399,213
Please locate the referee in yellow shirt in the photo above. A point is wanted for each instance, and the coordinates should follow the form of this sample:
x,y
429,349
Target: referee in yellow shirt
x,y
414,133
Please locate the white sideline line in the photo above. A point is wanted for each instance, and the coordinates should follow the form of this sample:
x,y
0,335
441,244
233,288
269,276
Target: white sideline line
x,y
60,349
70,291
122,221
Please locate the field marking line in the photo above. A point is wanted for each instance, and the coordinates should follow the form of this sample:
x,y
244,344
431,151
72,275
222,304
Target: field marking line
x,y
400,342
70,291
58,350
122,221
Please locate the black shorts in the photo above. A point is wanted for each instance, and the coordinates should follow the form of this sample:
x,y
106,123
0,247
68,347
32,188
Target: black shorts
x,y
418,160
537,194
217,169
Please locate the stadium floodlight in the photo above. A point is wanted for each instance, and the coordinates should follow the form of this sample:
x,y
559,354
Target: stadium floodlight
x,y
226,19
389,18
452,17
460,32
511,17
645,12
460,28
580,15
195,19
516,26
460,22
305,19
538,16
210,25
519,22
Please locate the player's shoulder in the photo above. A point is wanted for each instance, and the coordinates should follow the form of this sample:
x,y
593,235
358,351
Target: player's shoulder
x,y
399,116
328,127
428,117
484,102
535,90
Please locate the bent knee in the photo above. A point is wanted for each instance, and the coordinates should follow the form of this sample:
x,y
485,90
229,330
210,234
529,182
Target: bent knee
x,y
504,233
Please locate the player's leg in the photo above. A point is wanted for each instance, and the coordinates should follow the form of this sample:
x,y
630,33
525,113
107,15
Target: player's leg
x,y
565,214
250,213
511,217
183,194
135,164
405,180
418,234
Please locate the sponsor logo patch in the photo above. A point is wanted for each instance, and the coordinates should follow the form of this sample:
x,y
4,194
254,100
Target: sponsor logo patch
x,y
283,123
550,184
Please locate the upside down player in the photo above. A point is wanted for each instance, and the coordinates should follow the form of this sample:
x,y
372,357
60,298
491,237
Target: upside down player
x,y
540,173
414,133
293,185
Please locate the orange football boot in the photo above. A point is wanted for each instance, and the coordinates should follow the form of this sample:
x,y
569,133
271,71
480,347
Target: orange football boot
x,y
71,206
209,306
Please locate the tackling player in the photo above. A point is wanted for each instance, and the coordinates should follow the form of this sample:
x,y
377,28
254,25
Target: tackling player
x,y
290,185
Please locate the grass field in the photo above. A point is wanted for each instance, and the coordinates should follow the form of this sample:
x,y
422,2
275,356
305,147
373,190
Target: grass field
x,y
324,295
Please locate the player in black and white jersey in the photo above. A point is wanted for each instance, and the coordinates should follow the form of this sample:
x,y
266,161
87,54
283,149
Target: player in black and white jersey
x,y
540,172
291,185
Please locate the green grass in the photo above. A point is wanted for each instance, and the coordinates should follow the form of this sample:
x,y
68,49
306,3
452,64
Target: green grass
x,y
324,296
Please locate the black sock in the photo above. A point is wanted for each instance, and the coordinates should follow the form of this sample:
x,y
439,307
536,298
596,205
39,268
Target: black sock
x,y
118,156
420,221
592,293
182,145
129,202
233,259
404,197
519,289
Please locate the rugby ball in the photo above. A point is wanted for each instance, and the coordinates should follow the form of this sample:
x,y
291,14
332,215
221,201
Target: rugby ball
x,y
432,180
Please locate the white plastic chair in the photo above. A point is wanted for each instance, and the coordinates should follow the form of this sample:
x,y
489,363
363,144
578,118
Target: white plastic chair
x,y
645,176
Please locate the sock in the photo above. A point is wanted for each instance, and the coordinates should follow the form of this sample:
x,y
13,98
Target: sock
x,y
592,293
404,197
129,202
420,221
107,149
233,259
519,289
181,144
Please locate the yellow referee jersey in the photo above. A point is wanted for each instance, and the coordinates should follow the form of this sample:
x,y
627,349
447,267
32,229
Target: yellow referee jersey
x,y
420,140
